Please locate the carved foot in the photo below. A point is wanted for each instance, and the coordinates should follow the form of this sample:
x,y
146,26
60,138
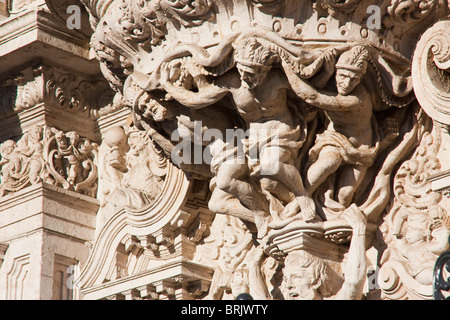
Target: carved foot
x,y
308,208
291,209
302,208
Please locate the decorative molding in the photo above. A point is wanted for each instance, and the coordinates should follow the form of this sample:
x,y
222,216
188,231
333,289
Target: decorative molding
x,y
3,248
415,229
58,88
16,277
140,224
430,69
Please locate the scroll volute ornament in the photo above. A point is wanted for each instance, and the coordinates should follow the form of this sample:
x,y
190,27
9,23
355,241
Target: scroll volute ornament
x,y
431,72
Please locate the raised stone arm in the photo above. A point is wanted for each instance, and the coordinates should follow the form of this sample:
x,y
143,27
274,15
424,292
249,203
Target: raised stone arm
x,y
322,99
355,266
258,288
207,95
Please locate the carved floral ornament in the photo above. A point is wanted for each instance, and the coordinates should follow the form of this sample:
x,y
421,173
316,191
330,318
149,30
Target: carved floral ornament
x,y
58,88
340,98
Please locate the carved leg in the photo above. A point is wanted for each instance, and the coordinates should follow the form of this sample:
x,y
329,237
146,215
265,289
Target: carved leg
x,y
278,189
291,178
328,163
350,178
231,179
225,203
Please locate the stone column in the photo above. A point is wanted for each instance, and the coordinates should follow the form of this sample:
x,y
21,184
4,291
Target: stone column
x,y
51,96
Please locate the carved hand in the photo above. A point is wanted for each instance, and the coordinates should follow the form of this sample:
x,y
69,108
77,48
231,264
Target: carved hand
x,y
164,73
169,73
194,69
330,57
356,219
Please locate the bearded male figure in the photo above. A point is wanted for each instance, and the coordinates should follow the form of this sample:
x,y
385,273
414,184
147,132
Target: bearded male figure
x,y
259,93
307,277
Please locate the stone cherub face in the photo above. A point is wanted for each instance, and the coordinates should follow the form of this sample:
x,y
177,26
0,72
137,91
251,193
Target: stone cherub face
x,y
415,230
36,133
61,140
239,282
350,69
7,147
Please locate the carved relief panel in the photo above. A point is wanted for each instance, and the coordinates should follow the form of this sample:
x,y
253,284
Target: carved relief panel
x,y
48,155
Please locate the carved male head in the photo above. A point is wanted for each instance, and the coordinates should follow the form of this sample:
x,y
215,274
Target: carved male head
x,y
305,277
239,282
350,68
117,141
254,62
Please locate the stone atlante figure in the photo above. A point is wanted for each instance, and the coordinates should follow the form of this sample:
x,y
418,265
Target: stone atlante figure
x,y
259,93
349,138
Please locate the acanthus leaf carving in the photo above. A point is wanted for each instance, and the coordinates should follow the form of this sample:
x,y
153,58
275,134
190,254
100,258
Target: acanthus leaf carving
x,y
416,231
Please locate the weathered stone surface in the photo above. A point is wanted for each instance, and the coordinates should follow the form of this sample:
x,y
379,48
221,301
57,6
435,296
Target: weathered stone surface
x,y
204,149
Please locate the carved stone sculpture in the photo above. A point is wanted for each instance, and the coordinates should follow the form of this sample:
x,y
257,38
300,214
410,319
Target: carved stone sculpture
x,y
416,227
315,125
126,178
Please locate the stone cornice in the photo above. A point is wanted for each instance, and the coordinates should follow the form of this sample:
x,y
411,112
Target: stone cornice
x,y
41,215
35,35
157,279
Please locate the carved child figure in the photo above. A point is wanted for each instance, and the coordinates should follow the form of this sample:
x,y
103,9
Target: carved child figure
x,y
33,150
421,244
67,152
13,167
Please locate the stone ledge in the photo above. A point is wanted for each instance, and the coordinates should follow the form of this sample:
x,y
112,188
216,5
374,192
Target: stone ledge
x,y
157,278
35,35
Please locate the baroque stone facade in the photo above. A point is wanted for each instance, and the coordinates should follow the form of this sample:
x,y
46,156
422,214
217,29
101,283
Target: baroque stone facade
x,y
160,149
